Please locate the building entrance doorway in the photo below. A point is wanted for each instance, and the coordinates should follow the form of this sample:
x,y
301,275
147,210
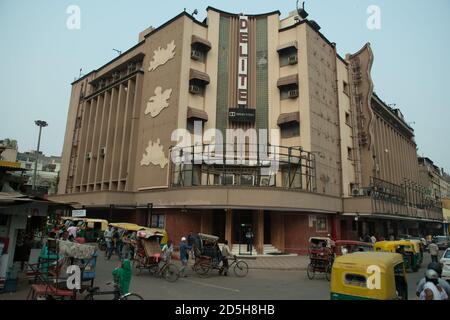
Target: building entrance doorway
x,y
344,231
218,224
242,221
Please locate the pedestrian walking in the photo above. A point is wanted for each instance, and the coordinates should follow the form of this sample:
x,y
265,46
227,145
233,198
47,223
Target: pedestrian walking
x,y
432,290
167,252
185,248
373,239
225,255
190,242
249,237
108,235
117,240
434,251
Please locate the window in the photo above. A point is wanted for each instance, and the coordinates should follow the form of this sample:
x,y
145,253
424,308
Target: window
x,y
355,280
190,126
247,180
346,88
289,92
198,54
288,57
158,221
289,130
348,119
321,224
354,226
349,153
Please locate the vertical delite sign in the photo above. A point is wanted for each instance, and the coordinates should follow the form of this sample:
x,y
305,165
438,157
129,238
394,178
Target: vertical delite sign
x,y
243,62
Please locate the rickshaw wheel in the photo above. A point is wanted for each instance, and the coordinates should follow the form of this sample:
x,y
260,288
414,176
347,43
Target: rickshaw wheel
x,y
153,269
241,269
202,269
171,273
310,271
132,296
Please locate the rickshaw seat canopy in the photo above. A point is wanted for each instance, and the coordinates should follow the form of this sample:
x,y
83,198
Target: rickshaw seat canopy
x,y
362,260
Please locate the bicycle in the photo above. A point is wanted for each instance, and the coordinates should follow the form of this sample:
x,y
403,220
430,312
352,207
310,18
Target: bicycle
x,y
95,291
168,271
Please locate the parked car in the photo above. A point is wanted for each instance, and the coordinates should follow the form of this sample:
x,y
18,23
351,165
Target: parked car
x,y
442,242
445,260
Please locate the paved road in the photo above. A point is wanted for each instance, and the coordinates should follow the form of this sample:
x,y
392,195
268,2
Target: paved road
x,y
258,285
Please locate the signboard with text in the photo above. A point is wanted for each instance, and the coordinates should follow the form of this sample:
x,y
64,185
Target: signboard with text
x,y
78,213
243,115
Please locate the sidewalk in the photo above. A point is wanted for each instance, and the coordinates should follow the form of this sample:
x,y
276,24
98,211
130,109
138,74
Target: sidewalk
x,y
278,263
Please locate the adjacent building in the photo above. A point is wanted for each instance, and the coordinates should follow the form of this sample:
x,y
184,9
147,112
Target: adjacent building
x,y
47,171
344,162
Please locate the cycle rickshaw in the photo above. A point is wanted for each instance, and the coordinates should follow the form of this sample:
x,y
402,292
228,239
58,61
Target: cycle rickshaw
x,y
208,257
148,254
321,255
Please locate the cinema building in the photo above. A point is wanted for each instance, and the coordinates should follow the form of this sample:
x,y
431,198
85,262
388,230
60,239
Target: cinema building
x,y
346,163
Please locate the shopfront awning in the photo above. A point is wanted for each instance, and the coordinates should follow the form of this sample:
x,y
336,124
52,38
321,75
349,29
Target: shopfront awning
x,y
205,44
289,45
286,118
288,81
193,113
199,76
387,217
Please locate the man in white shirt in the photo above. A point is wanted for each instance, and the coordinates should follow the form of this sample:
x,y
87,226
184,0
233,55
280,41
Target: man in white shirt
x,y
226,253
434,251
432,290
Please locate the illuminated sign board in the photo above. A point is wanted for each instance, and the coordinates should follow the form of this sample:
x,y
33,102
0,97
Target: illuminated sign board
x,y
244,115
243,62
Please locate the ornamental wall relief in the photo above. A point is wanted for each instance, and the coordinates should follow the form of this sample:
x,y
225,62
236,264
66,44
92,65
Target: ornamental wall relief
x,y
158,102
154,154
162,56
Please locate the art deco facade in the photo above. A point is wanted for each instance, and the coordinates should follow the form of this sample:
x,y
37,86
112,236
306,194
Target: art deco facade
x,y
347,163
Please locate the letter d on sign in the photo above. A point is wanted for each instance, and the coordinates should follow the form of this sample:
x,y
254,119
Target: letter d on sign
x,y
374,281
74,280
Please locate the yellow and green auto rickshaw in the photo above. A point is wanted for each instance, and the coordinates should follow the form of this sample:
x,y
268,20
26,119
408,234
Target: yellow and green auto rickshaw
x,y
418,248
405,248
369,276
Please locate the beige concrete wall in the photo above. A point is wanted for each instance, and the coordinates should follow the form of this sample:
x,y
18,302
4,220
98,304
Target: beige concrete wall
x,y
169,76
324,112
346,129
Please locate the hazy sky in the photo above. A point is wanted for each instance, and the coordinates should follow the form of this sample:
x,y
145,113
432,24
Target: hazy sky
x,y
40,56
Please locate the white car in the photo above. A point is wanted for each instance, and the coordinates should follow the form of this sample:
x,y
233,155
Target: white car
x,y
445,260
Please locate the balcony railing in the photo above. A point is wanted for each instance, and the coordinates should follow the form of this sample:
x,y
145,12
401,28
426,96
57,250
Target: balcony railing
x,y
408,199
249,165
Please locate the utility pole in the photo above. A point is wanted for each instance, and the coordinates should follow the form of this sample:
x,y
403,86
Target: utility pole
x,y
41,124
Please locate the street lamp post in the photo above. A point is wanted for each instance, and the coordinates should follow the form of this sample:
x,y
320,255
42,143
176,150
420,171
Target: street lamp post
x,y
41,124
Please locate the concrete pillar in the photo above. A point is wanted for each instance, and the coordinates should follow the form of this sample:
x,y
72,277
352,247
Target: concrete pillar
x,y
258,231
229,226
